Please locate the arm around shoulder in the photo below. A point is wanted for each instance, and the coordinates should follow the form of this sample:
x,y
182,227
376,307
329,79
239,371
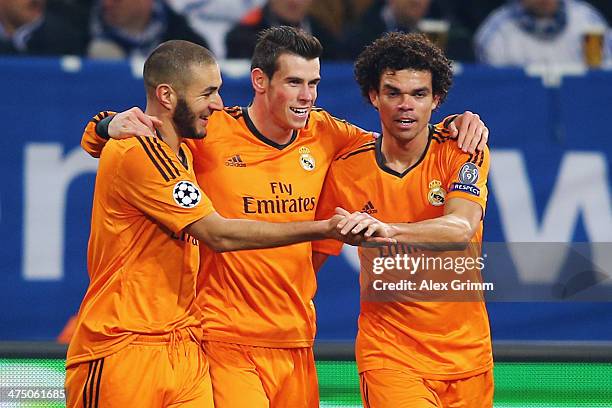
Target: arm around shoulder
x,y
92,141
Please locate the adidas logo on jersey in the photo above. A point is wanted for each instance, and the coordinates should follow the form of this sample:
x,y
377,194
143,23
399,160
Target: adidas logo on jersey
x,y
235,161
368,208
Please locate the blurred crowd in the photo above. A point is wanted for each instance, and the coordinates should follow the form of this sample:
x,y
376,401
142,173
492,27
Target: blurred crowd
x,y
496,32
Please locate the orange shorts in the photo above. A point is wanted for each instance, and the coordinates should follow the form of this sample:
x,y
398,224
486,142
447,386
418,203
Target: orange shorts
x,y
392,388
261,377
153,371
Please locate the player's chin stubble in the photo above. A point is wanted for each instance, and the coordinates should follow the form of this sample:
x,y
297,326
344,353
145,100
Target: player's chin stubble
x,y
184,119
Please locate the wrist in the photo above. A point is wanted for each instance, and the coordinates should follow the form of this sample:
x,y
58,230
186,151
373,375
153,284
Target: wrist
x,y
394,231
325,229
102,127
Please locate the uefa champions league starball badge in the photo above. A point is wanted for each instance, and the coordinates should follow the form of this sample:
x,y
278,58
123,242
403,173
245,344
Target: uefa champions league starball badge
x,y
186,194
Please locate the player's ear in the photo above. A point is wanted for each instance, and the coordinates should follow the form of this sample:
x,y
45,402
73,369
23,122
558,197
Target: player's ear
x,y
436,102
373,94
259,80
165,96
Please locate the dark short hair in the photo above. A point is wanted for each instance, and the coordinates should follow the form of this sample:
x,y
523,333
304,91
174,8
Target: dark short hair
x,y
171,63
275,41
397,51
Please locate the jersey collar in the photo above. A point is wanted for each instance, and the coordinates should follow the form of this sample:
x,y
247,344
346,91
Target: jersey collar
x,y
260,136
381,161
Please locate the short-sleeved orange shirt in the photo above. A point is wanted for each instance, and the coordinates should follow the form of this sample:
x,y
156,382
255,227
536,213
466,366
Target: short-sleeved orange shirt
x,y
434,339
261,297
264,297
142,266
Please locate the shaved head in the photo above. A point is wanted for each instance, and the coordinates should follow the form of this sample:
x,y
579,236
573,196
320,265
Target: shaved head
x,y
172,63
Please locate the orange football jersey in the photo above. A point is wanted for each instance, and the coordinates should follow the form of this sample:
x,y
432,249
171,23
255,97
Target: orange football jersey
x,y
261,297
264,297
142,267
436,339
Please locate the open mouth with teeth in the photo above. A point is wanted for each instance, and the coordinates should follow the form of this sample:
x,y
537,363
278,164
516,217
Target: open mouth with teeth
x,y
405,121
299,111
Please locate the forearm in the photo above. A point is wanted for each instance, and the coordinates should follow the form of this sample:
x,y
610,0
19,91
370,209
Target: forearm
x,y
247,234
443,233
234,235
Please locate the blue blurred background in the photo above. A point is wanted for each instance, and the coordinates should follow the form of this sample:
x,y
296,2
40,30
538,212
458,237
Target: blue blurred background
x,y
551,146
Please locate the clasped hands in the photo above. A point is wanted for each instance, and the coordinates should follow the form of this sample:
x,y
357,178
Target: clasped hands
x,y
358,228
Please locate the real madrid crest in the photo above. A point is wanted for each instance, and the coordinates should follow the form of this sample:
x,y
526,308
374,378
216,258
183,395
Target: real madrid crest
x,y
307,162
436,195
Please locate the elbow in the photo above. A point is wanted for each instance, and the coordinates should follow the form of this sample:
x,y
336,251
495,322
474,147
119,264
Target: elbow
x,y
218,245
222,248
93,153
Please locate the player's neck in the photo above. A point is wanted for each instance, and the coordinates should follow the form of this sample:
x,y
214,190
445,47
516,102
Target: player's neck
x,y
400,155
166,131
171,139
260,116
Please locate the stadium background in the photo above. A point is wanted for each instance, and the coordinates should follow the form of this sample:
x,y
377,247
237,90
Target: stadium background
x,y
550,183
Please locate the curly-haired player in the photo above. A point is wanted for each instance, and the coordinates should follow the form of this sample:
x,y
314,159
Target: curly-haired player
x,y
414,354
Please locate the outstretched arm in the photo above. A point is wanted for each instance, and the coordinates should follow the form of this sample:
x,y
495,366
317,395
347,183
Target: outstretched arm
x,y
224,234
453,230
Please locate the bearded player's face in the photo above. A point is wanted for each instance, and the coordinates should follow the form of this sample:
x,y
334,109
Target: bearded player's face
x,y
199,100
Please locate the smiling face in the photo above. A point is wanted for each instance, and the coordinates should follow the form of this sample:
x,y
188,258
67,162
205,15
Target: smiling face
x,y
292,91
404,100
197,101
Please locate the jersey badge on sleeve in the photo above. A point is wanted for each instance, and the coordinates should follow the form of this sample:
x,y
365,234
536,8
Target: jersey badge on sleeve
x,y
186,194
307,162
468,174
436,195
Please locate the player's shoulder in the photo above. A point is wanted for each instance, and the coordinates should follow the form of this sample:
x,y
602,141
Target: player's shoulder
x,y
147,155
364,151
133,145
228,113
323,121
235,112
320,115
225,118
448,149
441,140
